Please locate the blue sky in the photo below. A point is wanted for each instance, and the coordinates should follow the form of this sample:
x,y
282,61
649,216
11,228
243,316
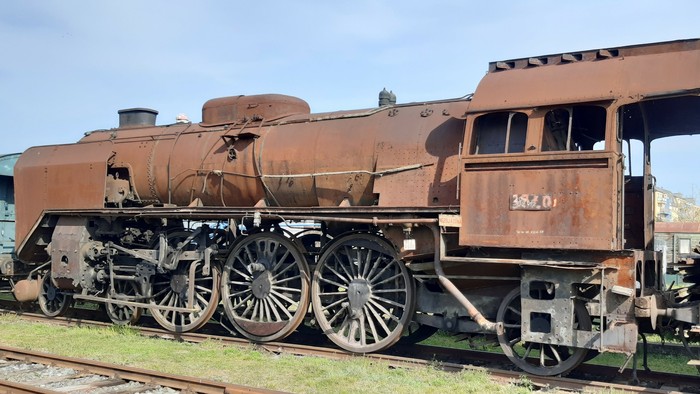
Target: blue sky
x,y
68,65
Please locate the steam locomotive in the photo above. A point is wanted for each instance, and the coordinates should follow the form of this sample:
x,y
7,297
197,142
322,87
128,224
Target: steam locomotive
x,y
510,213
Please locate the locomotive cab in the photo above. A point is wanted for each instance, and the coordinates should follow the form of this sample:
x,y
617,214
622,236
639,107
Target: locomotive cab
x,y
547,177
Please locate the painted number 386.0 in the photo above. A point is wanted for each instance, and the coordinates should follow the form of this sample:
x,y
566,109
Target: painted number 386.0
x,y
531,202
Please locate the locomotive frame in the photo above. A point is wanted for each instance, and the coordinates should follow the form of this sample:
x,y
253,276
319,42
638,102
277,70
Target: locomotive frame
x,y
508,213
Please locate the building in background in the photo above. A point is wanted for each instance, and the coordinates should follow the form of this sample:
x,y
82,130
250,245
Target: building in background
x,y
676,231
674,207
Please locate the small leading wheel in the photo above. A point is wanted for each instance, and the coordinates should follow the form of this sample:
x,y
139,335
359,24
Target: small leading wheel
x,y
123,314
265,287
177,288
52,301
538,358
363,297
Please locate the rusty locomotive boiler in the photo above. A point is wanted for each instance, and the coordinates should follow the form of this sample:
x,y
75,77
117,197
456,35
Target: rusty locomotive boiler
x,y
511,213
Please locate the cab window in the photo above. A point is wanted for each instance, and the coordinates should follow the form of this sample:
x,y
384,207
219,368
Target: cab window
x,y
500,132
574,128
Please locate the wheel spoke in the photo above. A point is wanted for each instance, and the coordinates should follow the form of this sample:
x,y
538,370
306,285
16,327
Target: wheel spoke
x,y
370,322
389,291
542,363
246,277
341,312
166,299
334,283
266,308
283,297
278,274
240,293
285,280
351,263
333,293
201,300
380,273
344,279
384,310
161,292
334,304
281,261
250,305
287,289
513,310
389,279
363,334
379,319
280,307
339,262
387,301
368,265
250,256
202,289
555,353
375,265
243,301
249,275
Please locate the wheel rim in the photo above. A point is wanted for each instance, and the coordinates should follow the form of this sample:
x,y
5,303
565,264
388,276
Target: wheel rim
x,y
537,358
172,290
123,314
265,287
52,301
363,297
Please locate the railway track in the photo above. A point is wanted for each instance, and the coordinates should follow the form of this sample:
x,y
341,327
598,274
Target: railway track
x,y
586,377
23,371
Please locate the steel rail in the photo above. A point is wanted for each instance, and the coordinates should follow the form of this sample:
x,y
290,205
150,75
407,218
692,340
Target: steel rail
x,y
184,383
420,356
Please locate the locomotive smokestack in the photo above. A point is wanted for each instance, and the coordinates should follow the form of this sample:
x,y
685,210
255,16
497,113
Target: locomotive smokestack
x,y
137,117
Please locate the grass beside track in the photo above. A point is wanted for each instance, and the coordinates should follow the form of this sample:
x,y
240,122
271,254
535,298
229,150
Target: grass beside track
x,y
672,361
246,366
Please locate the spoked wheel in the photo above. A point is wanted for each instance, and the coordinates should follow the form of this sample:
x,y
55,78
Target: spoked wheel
x,y
186,287
538,358
123,314
265,287
363,297
52,301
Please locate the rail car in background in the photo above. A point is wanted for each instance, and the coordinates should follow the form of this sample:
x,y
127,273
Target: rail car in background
x,y
510,213
7,215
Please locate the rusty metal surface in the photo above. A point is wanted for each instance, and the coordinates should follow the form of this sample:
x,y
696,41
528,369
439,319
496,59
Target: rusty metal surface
x,y
581,190
241,109
360,159
364,159
63,176
614,73
68,244
26,290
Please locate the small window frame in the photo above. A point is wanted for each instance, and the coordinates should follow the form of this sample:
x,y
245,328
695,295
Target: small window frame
x,y
507,148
